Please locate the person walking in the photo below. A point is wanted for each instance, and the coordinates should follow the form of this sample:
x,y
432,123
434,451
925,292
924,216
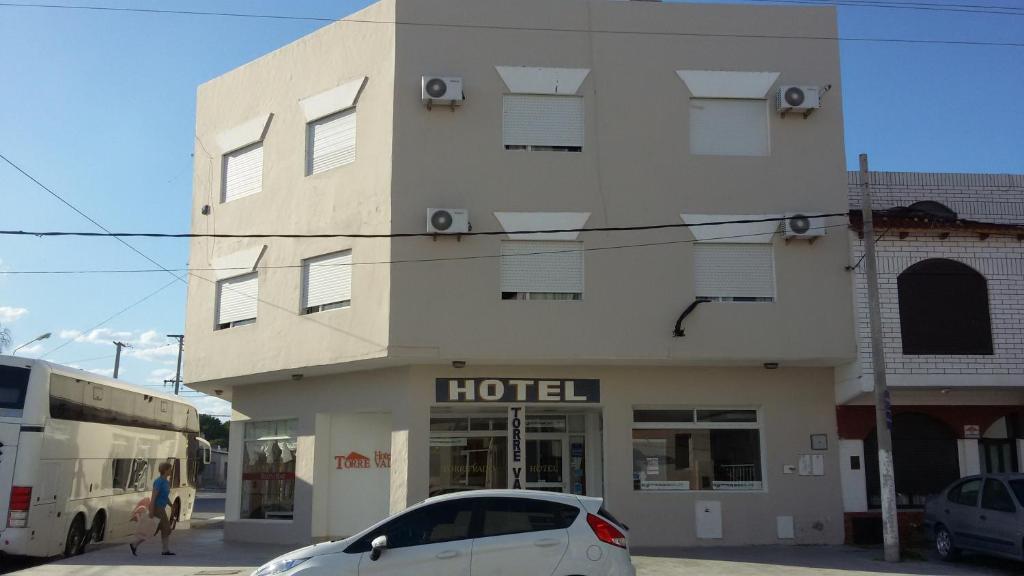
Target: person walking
x,y
160,500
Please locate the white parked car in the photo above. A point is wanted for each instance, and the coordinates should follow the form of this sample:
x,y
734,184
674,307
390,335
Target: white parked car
x,y
478,533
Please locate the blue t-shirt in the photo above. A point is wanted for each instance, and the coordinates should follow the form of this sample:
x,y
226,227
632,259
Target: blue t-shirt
x,y
163,492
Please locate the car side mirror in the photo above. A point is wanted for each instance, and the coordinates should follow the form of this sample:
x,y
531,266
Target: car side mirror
x,y
378,545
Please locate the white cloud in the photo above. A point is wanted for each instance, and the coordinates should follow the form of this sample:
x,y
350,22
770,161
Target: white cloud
x,y
9,314
165,351
148,345
211,405
159,375
108,372
31,350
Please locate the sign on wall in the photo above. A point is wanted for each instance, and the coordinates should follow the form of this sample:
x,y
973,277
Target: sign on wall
x,y
520,390
516,447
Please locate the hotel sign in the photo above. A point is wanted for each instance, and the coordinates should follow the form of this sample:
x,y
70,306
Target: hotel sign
x,y
518,390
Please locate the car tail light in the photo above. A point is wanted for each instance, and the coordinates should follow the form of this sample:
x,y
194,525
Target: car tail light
x,y
21,501
606,531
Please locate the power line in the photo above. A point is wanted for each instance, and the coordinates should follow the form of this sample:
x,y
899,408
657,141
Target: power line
x,y
83,360
157,11
406,261
391,235
115,315
83,214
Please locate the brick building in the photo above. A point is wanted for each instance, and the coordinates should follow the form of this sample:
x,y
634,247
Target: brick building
x,y
951,277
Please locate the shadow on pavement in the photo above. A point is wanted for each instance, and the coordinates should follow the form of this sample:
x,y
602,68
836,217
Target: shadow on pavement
x,y
816,560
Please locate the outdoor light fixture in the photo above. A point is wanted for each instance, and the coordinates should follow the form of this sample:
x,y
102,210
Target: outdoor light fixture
x,y
296,376
771,365
458,363
36,339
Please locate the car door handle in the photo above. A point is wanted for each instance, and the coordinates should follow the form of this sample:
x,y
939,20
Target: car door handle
x,y
982,517
447,554
547,542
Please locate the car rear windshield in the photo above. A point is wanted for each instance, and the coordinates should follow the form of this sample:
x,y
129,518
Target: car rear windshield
x,y
1018,490
13,385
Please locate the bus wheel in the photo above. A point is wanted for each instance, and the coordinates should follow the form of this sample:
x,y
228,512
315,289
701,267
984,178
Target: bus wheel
x,y
76,537
99,527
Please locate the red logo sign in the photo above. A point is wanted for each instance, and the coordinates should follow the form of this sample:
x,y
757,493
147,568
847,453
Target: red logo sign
x,y
357,460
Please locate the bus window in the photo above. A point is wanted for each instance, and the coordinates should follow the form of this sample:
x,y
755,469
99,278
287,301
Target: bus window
x,y
122,471
176,474
13,384
140,476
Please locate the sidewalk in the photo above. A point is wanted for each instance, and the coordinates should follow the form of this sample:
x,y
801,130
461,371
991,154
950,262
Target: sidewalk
x,y
203,552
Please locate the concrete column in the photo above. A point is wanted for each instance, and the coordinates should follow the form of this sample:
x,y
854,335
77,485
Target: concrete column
x,y
854,482
970,458
233,502
322,460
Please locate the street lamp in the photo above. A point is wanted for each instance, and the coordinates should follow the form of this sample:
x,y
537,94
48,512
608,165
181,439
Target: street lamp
x,y
36,339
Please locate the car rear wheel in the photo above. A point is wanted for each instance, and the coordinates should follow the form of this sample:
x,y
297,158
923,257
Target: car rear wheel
x,y
944,545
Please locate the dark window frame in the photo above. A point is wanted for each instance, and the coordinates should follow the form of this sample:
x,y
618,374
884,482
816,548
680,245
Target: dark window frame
x,y
988,505
20,386
944,309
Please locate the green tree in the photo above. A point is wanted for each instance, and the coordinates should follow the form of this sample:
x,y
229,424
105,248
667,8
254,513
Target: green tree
x,y
215,431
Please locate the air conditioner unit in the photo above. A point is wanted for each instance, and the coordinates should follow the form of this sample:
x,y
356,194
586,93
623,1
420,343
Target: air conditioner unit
x,y
804,99
446,90
447,221
799,226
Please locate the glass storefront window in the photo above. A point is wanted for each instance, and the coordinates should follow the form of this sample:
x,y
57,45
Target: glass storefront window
x,y
468,463
268,470
674,456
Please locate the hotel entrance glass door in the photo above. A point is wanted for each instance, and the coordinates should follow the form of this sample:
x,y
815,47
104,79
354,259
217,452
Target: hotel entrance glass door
x,y
546,462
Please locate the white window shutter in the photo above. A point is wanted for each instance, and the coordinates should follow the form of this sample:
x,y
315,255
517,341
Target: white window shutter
x,y
541,266
332,141
532,120
734,270
243,172
237,298
729,127
327,279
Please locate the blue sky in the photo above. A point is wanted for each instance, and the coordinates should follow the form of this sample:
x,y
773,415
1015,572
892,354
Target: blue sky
x,y
99,106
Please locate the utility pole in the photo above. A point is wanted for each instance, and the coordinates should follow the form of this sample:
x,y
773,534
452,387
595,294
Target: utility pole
x,y
177,375
117,357
883,410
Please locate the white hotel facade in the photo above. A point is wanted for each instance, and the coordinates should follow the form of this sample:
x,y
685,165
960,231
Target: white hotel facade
x,y
367,374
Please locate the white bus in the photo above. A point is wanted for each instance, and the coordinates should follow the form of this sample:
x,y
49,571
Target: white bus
x,y
78,452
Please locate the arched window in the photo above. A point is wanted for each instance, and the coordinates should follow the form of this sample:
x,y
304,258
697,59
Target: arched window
x,y
944,309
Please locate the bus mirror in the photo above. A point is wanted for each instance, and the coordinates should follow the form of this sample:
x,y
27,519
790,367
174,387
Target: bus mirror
x,y
203,455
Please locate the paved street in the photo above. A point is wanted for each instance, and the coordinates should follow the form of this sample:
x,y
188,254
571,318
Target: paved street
x,y
203,552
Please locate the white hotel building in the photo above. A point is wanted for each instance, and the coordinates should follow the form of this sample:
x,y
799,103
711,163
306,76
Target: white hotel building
x,y
367,374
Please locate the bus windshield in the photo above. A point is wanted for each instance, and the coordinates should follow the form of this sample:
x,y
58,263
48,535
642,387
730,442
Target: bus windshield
x,y
13,386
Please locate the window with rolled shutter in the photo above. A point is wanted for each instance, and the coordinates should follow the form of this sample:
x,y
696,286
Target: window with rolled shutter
x,y
243,172
332,142
533,122
541,270
327,282
236,300
734,272
729,127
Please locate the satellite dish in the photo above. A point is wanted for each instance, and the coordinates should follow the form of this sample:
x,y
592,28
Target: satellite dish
x,y
799,224
441,220
794,96
436,88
